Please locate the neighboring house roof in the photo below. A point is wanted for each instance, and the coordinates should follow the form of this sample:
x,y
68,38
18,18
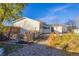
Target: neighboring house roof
x,y
60,25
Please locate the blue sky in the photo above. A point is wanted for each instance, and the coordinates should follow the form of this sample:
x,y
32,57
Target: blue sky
x,y
51,12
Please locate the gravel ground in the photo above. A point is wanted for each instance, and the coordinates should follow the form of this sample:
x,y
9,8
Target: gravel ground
x,y
37,50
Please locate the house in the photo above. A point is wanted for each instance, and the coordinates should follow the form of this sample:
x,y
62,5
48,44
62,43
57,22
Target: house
x,y
59,28
76,31
35,27
32,25
27,24
45,29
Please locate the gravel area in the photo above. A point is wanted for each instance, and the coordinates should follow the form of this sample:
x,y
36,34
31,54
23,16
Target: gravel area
x,y
37,50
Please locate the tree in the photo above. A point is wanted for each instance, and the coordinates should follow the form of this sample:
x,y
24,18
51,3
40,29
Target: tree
x,y
10,11
72,24
76,20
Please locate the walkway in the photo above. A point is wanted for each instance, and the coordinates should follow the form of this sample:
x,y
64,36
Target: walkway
x,y
37,50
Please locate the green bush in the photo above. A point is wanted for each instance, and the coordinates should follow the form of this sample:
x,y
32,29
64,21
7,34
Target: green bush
x,y
65,39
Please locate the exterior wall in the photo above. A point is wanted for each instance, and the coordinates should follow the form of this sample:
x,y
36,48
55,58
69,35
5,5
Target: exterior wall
x,y
76,31
58,28
65,29
28,24
36,27
45,29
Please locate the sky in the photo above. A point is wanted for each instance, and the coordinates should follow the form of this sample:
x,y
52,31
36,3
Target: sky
x,y
51,13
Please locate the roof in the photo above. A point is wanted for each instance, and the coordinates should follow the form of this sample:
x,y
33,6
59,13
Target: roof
x,y
59,25
25,18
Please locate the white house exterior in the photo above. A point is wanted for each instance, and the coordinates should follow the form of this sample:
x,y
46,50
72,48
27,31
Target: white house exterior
x,y
76,31
33,26
45,29
27,24
58,28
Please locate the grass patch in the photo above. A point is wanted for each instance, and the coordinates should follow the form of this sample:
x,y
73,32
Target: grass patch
x,y
70,40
